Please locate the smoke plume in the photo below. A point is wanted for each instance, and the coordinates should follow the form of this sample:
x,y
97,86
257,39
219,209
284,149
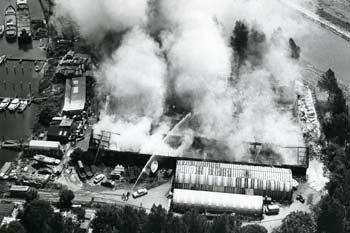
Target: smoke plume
x,y
189,56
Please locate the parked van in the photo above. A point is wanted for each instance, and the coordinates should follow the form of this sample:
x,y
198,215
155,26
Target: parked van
x,y
272,210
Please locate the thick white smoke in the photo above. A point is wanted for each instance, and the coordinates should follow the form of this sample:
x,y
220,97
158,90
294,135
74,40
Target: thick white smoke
x,y
95,18
195,36
135,77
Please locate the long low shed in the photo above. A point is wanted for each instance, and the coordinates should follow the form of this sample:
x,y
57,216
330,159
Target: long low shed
x,y
184,199
234,178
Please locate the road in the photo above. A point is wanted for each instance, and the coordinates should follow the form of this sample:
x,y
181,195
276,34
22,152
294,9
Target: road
x,y
157,196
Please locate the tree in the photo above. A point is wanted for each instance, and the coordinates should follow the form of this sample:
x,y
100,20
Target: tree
x,y
297,222
131,220
253,228
36,216
175,224
66,198
239,40
156,220
107,220
31,195
329,215
12,227
225,224
195,222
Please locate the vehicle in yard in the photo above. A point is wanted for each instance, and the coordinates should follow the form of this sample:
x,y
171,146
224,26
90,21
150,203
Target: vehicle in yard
x,y
108,183
98,178
272,210
300,198
5,103
80,170
139,193
14,104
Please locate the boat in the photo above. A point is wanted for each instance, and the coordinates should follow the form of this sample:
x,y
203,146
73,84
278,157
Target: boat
x,y
14,104
23,22
22,106
47,160
3,59
4,103
2,30
10,23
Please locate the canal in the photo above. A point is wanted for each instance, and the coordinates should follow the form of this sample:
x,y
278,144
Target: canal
x,y
326,50
18,79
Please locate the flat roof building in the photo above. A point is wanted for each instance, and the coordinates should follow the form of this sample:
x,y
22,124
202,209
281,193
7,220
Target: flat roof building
x,y
234,178
57,133
44,145
75,95
217,202
49,148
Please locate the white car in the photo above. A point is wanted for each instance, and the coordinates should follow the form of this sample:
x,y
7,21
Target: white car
x,y
99,178
139,193
4,103
14,104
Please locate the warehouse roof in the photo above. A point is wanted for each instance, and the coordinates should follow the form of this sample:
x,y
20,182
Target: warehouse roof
x,y
233,170
75,95
226,202
48,145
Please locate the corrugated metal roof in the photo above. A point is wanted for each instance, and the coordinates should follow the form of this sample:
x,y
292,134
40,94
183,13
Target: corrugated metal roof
x,y
225,202
233,170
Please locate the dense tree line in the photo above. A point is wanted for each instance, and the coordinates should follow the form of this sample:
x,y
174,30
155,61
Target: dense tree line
x,y
333,211
38,216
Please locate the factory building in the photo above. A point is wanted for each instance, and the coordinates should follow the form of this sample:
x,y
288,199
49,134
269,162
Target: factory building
x,y
217,202
234,178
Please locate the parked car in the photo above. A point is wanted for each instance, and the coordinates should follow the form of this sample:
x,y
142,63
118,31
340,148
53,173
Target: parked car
x,y
139,193
300,198
98,178
272,210
108,183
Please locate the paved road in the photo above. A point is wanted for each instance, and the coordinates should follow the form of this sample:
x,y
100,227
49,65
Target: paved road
x,y
157,196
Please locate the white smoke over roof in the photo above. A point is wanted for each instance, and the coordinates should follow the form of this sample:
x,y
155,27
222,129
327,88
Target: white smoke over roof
x,y
194,37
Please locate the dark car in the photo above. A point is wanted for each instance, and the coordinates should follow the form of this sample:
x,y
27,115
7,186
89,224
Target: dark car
x,y
300,198
108,183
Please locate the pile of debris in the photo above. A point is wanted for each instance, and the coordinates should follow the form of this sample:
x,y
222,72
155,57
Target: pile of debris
x,y
308,119
73,65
